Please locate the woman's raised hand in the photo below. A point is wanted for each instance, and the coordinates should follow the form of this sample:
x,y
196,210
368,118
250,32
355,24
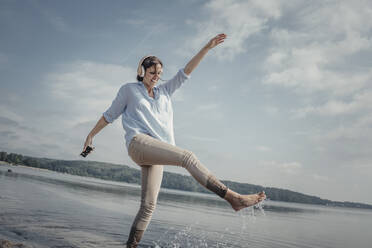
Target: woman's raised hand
x,y
194,62
216,40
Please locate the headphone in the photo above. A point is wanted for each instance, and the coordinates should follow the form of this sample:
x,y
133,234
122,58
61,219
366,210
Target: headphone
x,y
141,68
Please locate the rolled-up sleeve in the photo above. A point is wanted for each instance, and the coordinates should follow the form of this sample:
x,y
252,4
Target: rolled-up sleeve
x,y
117,107
174,83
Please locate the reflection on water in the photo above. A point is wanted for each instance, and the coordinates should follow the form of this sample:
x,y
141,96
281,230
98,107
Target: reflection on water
x,y
166,196
48,209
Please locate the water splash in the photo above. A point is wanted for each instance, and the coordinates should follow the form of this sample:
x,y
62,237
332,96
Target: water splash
x,y
183,238
260,206
250,211
194,236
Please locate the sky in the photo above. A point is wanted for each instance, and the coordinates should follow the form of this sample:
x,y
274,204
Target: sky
x,y
285,101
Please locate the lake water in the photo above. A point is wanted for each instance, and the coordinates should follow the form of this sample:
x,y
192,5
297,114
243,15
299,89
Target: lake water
x,y
42,208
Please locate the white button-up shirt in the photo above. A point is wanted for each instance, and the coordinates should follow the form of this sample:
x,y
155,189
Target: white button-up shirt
x,y
144,114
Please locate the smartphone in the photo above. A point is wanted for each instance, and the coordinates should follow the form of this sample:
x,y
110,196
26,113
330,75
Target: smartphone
x,y
86,151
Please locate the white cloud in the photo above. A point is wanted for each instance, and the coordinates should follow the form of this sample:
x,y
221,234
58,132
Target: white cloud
x,y
15,137
361,102
271,110
178,96
206,107
206,111
345,146
238,19
87,86
202,139
277,58
213,88
313,55
263,148
8,113
283,167
320,58
320,178
360,130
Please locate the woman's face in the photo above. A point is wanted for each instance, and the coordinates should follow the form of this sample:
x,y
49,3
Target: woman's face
x,y
152,75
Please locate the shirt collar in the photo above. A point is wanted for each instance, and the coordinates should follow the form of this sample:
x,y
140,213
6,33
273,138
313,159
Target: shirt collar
x,y
155,89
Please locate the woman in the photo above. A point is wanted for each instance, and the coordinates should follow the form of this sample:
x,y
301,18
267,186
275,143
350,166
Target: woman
x,y
147,118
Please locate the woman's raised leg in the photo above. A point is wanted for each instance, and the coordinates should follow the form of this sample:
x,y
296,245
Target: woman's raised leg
x,y
147,150
144,149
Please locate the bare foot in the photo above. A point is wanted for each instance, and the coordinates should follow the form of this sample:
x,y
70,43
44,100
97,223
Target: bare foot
x,y
239,201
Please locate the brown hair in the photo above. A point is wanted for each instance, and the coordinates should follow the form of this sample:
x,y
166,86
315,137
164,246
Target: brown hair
x,y
149,62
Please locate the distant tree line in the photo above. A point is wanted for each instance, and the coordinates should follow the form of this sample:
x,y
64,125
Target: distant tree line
x,y
127,174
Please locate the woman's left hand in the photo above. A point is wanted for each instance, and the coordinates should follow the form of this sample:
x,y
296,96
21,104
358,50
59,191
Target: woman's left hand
x,y
216,40
193,63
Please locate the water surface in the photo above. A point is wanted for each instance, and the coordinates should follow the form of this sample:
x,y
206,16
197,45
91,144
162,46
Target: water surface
x,y
42,208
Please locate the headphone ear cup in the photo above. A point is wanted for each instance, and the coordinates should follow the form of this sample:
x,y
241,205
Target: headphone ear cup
x,y
140,68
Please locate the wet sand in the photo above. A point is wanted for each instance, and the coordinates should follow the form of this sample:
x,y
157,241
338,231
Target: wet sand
x,y
8,244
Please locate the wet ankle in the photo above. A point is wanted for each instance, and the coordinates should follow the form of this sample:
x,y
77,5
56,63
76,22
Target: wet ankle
x,y
231,196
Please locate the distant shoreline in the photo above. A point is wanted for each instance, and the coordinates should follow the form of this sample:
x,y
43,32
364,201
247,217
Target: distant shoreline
x,y
173,181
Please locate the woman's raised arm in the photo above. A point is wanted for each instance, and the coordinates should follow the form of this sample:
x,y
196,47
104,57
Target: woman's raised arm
x,y
194,62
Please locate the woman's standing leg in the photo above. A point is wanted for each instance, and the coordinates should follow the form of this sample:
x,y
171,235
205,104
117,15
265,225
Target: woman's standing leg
x,y
151,180
145,150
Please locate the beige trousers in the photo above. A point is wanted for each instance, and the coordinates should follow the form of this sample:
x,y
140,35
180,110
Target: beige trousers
x,y
151,154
